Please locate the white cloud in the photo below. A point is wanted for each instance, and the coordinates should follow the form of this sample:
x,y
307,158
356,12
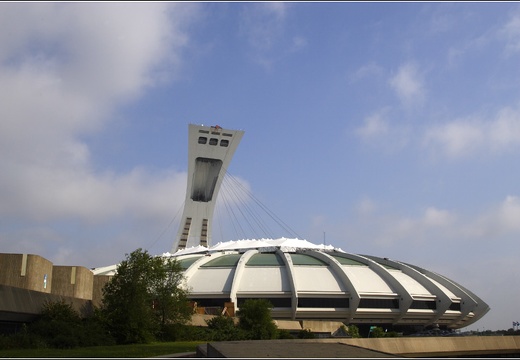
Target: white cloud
x,y
366,206
463,137
262,23
64,68
367,70
298,43
501,220
511,32
420,229
378,130
408,84
437,218
455,139
373,126
497,224
263,26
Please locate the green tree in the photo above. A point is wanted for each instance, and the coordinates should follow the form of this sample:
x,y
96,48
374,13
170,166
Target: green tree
x,y
353,331
255,317
143,297
377,332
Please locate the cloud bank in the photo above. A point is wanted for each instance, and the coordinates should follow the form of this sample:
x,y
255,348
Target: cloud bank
x,y
64,69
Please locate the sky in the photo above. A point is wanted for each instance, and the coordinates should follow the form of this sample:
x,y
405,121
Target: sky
x,y
382,128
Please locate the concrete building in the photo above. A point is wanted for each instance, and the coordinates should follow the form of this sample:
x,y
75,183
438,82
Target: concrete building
x,y
28,281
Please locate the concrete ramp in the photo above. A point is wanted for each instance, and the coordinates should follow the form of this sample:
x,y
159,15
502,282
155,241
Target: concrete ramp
x,y
404,347
301,348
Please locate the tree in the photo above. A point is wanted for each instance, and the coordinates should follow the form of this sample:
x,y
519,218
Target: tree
x,y
377,332
143,297
255,317
353,331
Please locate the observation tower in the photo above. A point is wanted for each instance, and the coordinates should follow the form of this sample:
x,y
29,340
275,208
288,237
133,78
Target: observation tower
x,y
210,150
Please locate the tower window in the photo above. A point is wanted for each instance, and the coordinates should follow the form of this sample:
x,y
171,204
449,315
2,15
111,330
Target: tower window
x,y
213,141
224,143
203,139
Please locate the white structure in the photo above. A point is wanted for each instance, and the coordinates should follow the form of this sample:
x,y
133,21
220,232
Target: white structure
x,y
300,279
210,151
307,281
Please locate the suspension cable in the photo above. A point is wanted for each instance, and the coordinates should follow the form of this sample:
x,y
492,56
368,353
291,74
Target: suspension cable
x,y
232,187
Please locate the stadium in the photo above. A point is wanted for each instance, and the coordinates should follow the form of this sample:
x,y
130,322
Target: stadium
x,y
302,280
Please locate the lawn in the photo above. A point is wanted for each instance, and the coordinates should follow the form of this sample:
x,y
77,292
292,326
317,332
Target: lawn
x,y
117,351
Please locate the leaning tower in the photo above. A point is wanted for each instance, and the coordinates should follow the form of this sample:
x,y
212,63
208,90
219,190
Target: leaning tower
x,y
210,151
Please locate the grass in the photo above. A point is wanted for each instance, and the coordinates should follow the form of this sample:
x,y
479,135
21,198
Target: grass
x,y
117,351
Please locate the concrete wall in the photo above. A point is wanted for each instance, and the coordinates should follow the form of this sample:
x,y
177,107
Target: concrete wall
x,y
446,347
21,305
33,272
321,326
441,346
26,271
97,288
72,281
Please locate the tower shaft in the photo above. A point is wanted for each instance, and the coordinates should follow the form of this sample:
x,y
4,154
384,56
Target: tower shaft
x,y
210,150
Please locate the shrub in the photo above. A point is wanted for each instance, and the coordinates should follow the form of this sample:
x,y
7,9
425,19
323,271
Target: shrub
x,y
223,328
353,331
306,334
284,334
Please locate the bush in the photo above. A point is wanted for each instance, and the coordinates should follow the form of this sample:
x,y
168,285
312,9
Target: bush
x,y
182,332
22,339
377,332
353,331
284,334
223,328
306,334
60,326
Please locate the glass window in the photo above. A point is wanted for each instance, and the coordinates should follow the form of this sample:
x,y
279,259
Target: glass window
x,y
213,141
455,306
379,303
424,305
203,139
323,302
276,302
224,143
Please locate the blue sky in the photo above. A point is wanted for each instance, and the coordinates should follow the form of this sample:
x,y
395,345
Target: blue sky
x,y
387,129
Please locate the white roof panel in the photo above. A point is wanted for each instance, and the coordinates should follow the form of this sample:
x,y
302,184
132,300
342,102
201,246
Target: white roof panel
x,y
411,285
212,280
365,280
317,279
264,279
